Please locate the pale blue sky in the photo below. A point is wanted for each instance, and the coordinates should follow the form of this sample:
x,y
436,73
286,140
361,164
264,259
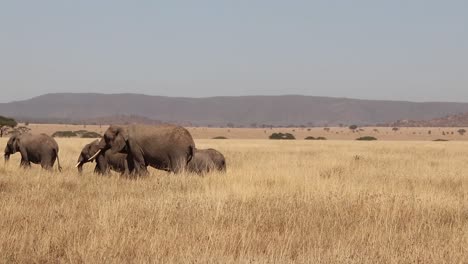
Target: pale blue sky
x,y
395,49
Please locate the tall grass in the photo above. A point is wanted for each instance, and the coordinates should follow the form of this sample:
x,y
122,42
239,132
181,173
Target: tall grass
x,y
295,201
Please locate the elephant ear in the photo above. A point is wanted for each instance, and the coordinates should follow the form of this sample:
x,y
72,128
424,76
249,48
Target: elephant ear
x,y
16,143
120,140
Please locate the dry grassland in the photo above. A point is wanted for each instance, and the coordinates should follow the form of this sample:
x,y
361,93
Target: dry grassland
x,y
280,202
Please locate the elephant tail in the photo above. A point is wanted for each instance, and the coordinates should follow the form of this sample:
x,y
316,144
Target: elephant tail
x,y
191,153
58,160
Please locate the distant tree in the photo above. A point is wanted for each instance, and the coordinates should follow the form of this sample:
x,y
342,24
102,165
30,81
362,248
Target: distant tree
x,y
429,132
353,127
231,125
20,130
366,138
6,124
254,125
326,129
282,136
395,129
461,131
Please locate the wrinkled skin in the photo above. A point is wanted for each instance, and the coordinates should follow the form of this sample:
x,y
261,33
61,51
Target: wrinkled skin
x,y
104,161
206,160
38,149
165,147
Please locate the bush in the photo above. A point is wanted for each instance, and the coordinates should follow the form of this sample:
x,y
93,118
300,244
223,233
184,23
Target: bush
x,y
366,138
315,138
64,134
461,131
282,136
439,139
220,137
353,127
90,135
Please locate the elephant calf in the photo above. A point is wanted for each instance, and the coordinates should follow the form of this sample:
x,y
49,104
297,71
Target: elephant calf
x,y
38,149
104,161
206,160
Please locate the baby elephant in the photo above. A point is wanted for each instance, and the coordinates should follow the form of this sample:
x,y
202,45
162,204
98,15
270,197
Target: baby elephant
x,y
206,160
38,149
104,161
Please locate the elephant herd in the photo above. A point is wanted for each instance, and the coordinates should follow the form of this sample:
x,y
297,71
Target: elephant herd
x,y
128,150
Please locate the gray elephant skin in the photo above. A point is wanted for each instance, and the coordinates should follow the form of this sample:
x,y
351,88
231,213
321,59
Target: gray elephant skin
x,y
38,149
105,161
206,160
165,147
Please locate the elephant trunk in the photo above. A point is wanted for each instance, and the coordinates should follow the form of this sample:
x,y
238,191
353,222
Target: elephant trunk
x,y
80,163
80,167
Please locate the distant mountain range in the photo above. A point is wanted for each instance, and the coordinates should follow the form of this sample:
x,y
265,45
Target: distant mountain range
x,y
287,110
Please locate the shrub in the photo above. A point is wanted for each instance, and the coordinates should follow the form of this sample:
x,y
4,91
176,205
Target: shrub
x,y
282,136
64,134
220,137
461,131
366,138
439,139
315,138
6,124
353,127
90,135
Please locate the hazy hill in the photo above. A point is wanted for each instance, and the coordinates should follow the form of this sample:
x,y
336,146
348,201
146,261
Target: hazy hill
x,y
457,120
219,111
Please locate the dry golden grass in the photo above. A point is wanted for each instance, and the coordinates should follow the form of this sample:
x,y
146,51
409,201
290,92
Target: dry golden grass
x,y
294,201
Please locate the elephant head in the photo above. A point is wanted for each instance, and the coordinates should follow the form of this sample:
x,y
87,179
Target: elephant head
x,y
87,153
12,146
115,139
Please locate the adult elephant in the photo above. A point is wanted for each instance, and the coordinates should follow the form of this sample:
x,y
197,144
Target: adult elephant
x,y
38,149
206,160
105,161
165,147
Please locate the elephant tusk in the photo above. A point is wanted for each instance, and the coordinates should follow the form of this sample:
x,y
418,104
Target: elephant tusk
x,y
78,164
94,156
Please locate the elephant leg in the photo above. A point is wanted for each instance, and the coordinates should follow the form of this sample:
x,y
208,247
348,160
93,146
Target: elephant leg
x,y
102,166
139,164
47,163
25,164
178,164
97,170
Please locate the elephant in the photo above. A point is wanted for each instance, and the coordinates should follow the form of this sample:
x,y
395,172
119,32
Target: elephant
x,y
38,149
206,160
164,147
104,161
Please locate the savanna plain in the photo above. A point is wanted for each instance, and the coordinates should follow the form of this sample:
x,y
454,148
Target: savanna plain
x,y
279,202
